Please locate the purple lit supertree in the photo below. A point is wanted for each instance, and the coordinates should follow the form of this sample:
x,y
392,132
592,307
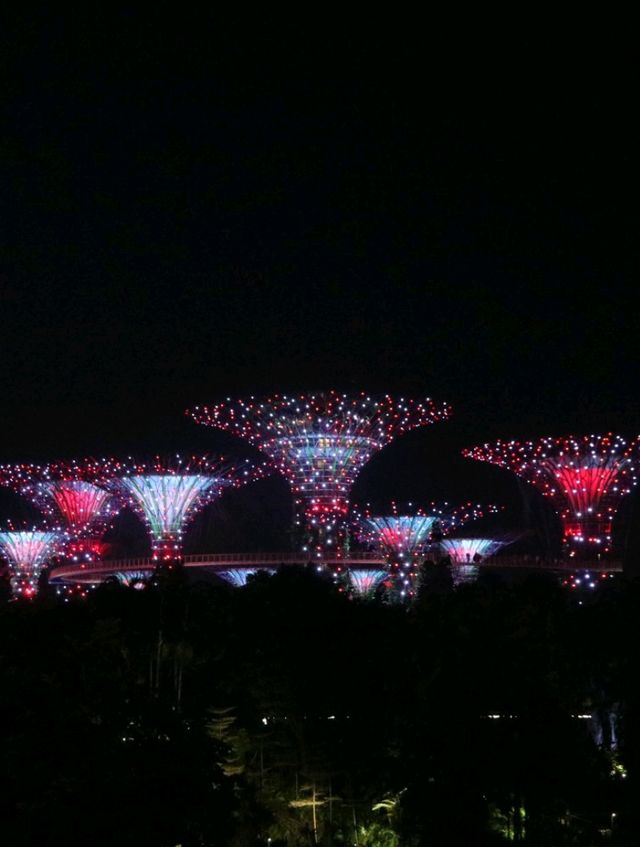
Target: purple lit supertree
x,y
167,493
319,443
403,535
26,551
73,494
465,554
585,477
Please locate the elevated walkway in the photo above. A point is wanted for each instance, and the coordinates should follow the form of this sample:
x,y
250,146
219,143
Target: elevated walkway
x,y
73,572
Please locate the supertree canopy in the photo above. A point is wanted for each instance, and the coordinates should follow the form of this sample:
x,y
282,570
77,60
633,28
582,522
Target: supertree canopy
x,y
132,579
320,442
584,476
73,494
238,577
167,493
398,537
469,550
26,552
466,554
365,581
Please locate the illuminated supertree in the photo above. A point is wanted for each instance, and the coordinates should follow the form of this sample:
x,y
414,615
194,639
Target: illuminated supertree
x,y
585,477
132,579
73,494
238,577
466,554
402,536
26,551
320,442
168,493
364,582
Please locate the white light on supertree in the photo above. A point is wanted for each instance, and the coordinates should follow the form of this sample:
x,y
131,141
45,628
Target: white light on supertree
x,y
168,493
584,476
319,443
26,552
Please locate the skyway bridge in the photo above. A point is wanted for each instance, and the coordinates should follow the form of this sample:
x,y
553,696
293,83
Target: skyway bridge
x,y
91,574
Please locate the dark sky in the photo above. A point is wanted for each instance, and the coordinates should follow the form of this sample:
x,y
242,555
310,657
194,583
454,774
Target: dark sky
x,y
191,210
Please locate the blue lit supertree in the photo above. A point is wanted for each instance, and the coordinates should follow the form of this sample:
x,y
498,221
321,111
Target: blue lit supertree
x,y
364,581
319,443
238,577
73,494
167,493
132,579
26,551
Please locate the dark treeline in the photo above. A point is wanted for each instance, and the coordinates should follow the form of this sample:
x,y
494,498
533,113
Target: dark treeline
x,y
285,713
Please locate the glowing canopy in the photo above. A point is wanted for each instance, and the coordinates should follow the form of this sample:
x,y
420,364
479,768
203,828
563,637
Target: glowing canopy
x,y
73,494
584,476
27,551
238,577
168,493
466,550
365,581
320,442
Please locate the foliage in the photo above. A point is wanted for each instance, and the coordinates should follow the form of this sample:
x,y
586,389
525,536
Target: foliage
x,y
286,713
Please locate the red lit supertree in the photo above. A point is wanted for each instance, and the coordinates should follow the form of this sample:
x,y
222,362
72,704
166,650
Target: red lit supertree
x,y
74,494
319,443
26,551
584,476
167,493
403,534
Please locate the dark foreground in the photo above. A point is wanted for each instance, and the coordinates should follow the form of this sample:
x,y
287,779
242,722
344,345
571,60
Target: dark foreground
x,y
284,713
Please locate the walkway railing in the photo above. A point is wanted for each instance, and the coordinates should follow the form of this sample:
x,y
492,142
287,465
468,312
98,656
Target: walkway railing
x,y
536,563
77,572
81,572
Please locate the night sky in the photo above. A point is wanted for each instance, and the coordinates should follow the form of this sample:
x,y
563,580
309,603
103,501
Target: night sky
x,y
192,211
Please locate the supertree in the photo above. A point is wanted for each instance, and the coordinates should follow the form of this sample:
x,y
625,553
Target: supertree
x,y
167,493
132,579
26,551
584,476
402,535
465,554
73,494
365,581
320,442
238,577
